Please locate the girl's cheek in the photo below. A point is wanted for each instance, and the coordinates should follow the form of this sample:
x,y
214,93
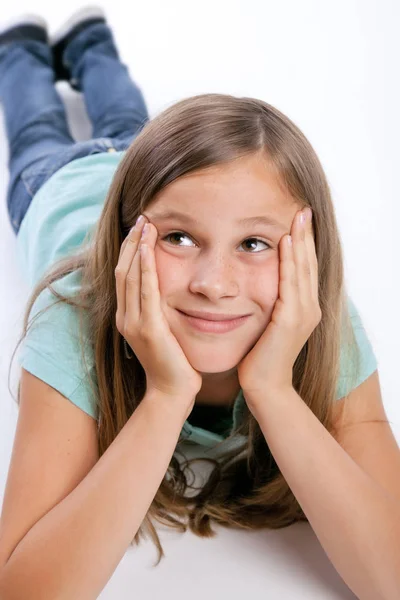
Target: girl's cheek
x,y
169,276
265,286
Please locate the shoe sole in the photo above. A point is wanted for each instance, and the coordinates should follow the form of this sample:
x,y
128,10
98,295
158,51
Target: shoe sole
x,y
65,34
24,19
79,17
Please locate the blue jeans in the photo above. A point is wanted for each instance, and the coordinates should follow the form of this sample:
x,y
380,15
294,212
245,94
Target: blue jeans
x,y
39,140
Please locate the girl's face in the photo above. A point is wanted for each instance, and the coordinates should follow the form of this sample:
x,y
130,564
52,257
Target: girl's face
x,y
208,260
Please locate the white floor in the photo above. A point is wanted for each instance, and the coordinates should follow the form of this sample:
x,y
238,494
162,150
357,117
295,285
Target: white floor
x,y
333,68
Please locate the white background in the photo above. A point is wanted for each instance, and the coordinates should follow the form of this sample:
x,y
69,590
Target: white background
x,y
333,68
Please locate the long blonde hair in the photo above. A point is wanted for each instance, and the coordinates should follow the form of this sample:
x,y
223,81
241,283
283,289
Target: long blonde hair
x,y
245,488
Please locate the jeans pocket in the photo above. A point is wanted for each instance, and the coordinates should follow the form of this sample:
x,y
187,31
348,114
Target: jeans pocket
x,y
37,173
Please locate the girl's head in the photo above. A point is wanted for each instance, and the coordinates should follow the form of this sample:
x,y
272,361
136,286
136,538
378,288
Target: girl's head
x,y
219,230
219,161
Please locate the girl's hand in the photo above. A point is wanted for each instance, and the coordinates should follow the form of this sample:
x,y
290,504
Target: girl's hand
x,y
141,320
268,366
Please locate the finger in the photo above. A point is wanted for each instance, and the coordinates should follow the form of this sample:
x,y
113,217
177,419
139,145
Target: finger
x,y
312,258
150,292
133,289
301,260
288,275
124,243
137,227
126,256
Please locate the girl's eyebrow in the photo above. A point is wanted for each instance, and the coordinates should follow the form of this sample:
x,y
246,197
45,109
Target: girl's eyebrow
x,y
164,215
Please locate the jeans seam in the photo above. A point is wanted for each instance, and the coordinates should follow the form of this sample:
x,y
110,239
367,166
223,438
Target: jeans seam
x,y
27,187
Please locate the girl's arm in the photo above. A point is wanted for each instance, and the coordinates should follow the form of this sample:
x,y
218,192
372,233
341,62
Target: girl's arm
x,y
356,521
74,549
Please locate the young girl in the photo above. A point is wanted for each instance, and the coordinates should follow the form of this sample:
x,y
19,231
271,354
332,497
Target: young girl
x,y
223,331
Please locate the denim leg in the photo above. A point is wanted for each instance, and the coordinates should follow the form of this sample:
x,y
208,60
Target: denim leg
x,y
34,113
114,103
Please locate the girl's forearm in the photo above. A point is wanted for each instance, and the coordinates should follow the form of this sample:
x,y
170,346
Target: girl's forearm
x,y
74,549
356,521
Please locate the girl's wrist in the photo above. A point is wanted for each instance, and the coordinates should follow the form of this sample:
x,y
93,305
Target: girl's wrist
x,y
175,406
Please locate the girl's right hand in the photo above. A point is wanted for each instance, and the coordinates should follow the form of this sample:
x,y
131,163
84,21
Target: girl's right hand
x,y
141,321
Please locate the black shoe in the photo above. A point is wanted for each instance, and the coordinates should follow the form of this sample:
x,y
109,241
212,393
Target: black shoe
x,y
25,27
60,39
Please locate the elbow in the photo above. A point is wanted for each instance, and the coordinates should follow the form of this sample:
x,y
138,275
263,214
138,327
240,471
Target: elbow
x,y
4,595
5,592
15,587
8,589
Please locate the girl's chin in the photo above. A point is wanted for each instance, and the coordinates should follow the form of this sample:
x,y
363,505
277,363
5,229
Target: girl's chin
x,y
206,360
212,368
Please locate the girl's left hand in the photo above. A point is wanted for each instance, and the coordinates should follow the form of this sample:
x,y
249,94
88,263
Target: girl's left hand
x,y
268,366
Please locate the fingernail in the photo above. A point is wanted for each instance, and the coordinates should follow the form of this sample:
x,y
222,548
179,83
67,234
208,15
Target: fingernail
x,y
139,221
145,230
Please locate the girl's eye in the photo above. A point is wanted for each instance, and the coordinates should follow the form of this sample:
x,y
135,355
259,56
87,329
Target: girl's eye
x,y
181,234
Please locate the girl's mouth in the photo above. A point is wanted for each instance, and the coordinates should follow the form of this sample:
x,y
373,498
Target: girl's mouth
x,y
213,326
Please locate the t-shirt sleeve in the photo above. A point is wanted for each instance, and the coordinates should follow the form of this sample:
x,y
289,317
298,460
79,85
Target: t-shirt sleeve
x,y
351,374
51,351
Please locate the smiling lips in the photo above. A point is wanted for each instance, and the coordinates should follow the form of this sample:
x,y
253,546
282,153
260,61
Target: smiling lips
x,y
213,322
208,316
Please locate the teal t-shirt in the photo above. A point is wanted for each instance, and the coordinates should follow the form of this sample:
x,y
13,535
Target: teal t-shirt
x,y
55,225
